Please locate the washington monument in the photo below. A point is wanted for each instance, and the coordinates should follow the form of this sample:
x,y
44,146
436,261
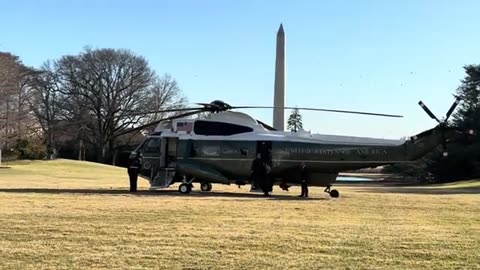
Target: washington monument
x,y
279,96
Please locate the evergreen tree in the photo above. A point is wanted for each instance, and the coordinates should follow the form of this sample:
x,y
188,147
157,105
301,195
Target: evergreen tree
x,y
468,112
294,122
467,117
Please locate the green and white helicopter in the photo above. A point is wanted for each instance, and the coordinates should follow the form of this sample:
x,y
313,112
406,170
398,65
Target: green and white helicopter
x,y
220,147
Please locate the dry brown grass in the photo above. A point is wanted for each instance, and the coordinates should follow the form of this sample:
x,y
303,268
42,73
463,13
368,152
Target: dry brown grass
x,y
64,214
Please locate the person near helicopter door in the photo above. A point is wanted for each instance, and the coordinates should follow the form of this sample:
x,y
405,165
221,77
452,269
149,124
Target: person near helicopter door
x,y
266,157
257,172
304,180
134,167
261,175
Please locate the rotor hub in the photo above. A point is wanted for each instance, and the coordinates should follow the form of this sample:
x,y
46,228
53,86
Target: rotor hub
x,y
219,106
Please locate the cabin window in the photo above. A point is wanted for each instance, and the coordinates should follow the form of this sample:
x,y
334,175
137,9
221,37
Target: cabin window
x,y
219,128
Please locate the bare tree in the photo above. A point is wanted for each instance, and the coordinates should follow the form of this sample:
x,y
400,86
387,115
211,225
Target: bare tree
x,y
164,94
91,98
44,103
112,89
14,111
8,74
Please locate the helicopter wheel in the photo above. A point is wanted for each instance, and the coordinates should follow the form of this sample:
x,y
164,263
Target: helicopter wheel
x,y
185,188
334,193
205,187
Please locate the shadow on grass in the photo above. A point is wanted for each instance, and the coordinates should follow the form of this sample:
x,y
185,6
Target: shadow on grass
x,y
420,190
170,193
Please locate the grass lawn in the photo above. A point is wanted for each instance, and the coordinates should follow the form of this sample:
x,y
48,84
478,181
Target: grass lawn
x,y
67,214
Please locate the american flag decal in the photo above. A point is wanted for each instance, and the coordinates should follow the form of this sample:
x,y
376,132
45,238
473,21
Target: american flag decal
x,y
185,126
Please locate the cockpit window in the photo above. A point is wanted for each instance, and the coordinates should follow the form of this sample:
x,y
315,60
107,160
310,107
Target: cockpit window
x,y
152,146
218,128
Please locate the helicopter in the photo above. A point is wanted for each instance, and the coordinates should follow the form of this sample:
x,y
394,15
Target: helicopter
x,y
219,149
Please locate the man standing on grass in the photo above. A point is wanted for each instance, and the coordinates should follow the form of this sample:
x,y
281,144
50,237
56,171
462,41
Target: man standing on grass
x,y
134,166
257,173
267,184
304,180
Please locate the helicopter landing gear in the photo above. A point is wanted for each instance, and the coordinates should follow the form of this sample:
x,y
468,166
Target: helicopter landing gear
x,y
186,186
333,193
205,187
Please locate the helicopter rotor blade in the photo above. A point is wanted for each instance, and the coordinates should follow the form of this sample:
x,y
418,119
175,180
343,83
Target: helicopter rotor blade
x,y
156,122
205,104
163,111
316,109
452,108
425,108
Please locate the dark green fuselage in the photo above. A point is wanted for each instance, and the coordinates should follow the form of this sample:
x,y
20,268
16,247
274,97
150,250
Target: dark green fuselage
x,y
230,161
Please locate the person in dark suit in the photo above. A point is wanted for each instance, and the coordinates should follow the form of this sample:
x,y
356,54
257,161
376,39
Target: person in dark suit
x,y
267,185
304,180
260,175
134,167
258,172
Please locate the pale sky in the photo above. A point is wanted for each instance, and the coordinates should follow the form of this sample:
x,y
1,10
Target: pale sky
x,y
378,56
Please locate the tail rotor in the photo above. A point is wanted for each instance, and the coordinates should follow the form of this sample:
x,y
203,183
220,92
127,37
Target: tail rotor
x,y
442,125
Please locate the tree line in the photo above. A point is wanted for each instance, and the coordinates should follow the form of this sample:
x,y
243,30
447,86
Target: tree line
x,y
80,106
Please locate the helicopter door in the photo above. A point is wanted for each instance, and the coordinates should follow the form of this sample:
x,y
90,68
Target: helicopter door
x,y
171,152
163,150
168,155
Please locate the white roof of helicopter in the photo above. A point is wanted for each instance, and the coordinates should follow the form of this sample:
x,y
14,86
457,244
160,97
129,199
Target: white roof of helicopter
x,y
261,133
